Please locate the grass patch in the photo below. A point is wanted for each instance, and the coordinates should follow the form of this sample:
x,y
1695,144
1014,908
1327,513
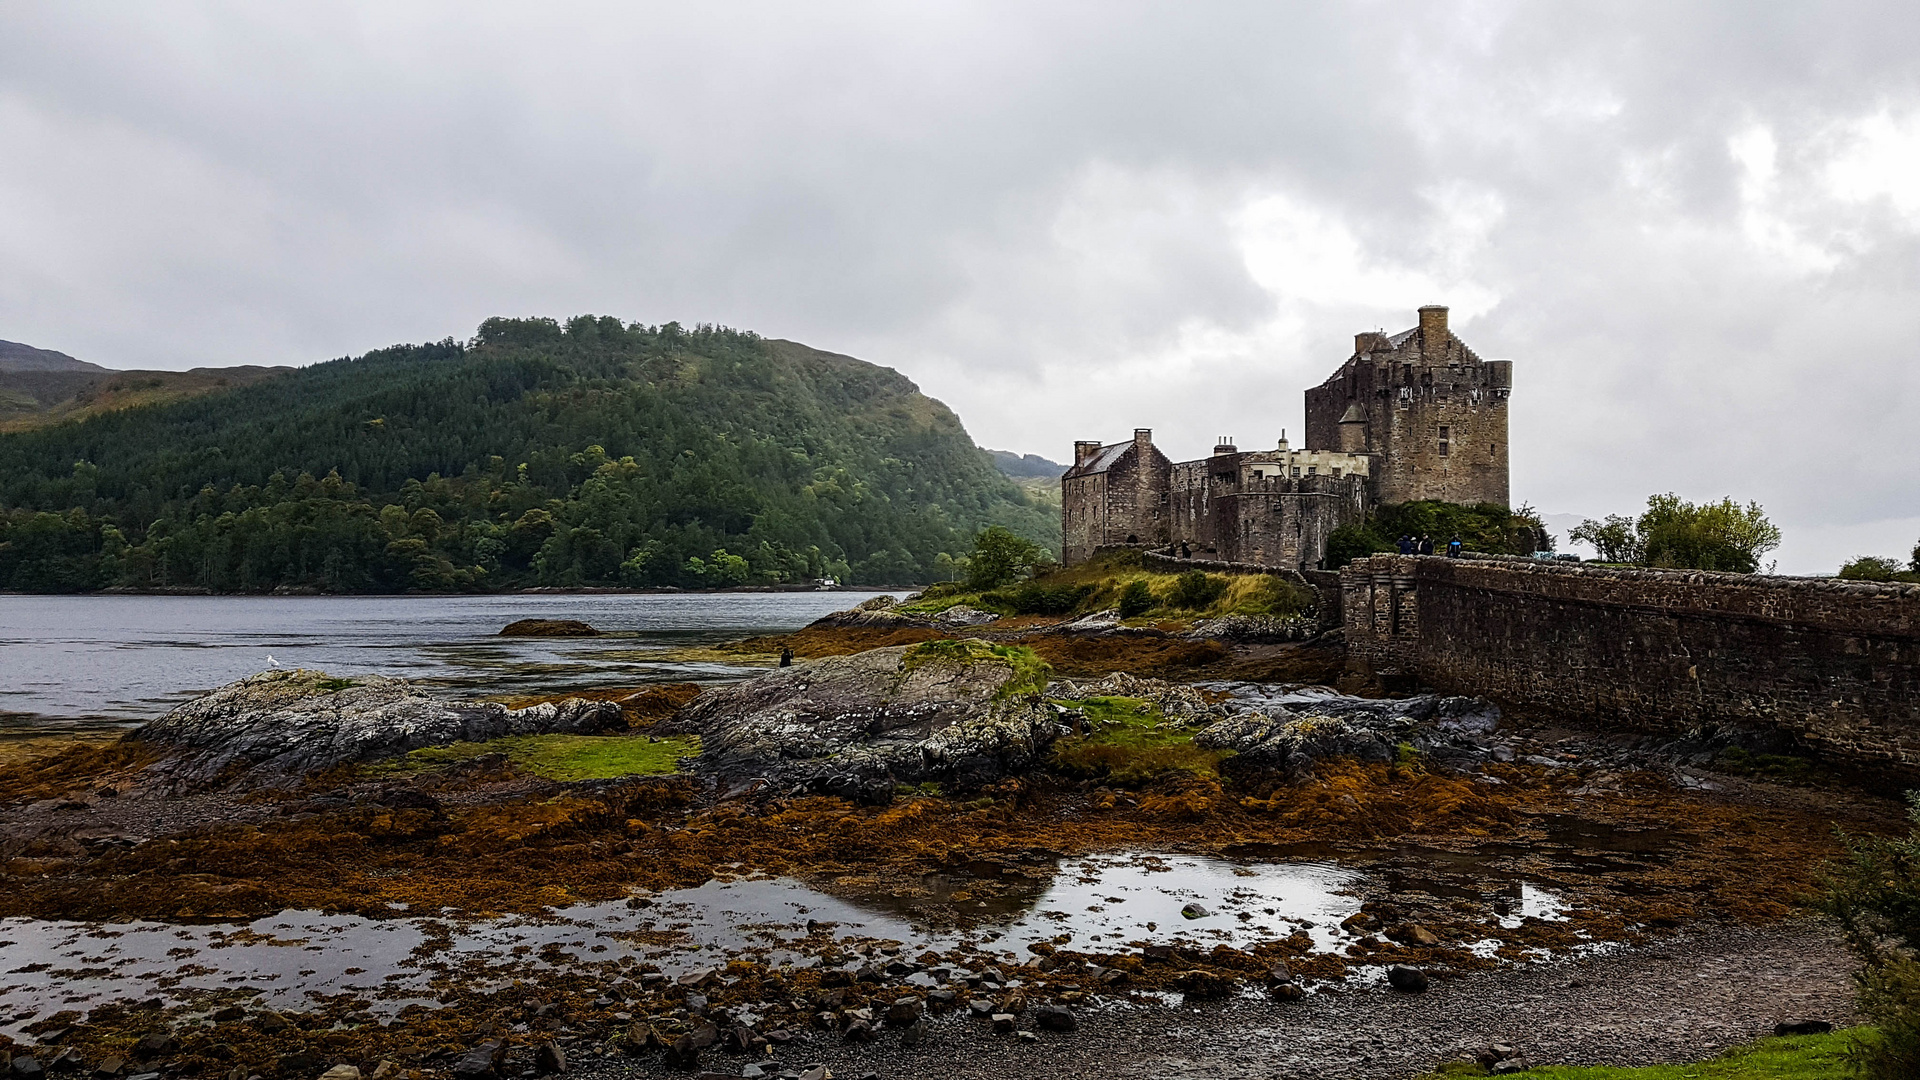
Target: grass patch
x,y
1130,742
1121,580
1030,673
556,757
1799,1057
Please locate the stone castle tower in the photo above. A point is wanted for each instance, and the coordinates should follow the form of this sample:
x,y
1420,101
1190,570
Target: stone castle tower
x,y
1410,416
1431,413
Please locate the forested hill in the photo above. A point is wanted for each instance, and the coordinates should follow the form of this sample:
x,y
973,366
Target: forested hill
x,y
593,453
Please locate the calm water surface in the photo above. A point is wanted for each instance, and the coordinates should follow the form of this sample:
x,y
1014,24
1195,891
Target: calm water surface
x,y
94,662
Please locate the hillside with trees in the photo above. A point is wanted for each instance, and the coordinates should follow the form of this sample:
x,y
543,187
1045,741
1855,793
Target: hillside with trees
x,y
585,454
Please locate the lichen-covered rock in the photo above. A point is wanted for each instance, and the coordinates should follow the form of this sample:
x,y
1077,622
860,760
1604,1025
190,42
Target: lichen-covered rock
x,y
272,728
1253,628
960,616
1366,729
548,628
1181,702
964,713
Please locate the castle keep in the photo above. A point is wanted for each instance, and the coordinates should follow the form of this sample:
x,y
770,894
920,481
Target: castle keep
x,y
1409,416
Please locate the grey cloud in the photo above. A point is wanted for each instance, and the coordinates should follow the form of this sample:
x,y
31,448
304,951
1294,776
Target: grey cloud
x,y
1034,210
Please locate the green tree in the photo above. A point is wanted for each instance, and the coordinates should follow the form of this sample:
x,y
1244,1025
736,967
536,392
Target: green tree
x,y
1714,536
1874,894
1614,537
1000,557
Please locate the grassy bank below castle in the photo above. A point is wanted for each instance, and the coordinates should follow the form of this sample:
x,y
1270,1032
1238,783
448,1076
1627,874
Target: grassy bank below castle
x,y
1121,580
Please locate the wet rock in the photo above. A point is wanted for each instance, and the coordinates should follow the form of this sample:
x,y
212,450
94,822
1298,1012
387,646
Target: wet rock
x,y
858,1031
227,1013
1203,985
1194,911
110,1066
549,1059
386,1070
548,628
942,999
1290,738
855,726
67,1061
158,1044
915,1034
1055,1018
1414,934
484,1062
1279,972
278,726
26,1067
1802,1027
980,1007
341,1072
1287,991
1003,1023
1407,979
741,1039
683,1053
904,1012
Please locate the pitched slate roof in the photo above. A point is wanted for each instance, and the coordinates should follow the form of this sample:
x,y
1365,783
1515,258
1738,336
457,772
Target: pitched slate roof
x,y
1104,460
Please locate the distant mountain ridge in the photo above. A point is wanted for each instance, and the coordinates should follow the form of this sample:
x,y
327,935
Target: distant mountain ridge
x,y
1027,466
594,453
16,356
40,386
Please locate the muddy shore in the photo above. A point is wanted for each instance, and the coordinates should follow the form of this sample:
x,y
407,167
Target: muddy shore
x,y
1690,883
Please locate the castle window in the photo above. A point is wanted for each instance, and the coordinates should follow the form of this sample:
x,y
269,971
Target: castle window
x,y
1443,440
1311,469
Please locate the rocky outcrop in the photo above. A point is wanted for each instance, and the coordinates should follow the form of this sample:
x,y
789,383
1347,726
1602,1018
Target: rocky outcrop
x,y
1292,738
549,628
963,713
884,612
1254,628
272,728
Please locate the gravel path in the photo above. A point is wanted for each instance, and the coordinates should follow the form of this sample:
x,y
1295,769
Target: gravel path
x,y
1684,999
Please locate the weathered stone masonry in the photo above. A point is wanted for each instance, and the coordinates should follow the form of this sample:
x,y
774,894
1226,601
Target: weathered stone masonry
x,y
1833,663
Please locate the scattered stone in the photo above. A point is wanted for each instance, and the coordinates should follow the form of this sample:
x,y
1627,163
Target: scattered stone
x,y
1195,911
341,1072
904,1012
158,1044
817,1072
1055,1018
227,1013
1802,1027
915,1034
980,1007
1003,1023
858,1031
549,1059
942,999
27,1068
1407,979
110,1066
386,1070
1026,1036
1203,985
483,1062
1414,934
1287,991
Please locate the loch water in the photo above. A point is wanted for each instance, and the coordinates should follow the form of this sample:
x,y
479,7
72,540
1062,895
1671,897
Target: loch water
x,y
78,663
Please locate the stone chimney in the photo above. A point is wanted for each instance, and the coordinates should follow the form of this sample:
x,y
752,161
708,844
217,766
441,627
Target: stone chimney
x,y
1084,452
1225,445
1143,439
1367,341
1433,328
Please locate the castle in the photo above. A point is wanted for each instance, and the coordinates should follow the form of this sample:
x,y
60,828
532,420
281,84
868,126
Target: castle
x,y
1409,416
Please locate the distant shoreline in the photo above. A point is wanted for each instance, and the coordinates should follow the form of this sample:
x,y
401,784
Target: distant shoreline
x,y
538,590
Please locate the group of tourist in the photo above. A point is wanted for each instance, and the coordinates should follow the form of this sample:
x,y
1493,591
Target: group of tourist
x,y
1423,545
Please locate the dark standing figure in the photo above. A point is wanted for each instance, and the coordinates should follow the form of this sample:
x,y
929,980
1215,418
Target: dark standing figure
x,y
1453,548
1406,544
1186,550
786,656
1426,545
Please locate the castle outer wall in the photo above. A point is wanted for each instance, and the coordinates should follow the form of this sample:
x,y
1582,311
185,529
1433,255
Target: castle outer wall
x,y
1835,664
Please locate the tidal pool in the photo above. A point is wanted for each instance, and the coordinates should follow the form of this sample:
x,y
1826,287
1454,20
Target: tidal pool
x,y
1097,903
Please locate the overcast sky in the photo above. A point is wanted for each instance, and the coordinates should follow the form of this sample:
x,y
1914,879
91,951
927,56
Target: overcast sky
x,y
1694,227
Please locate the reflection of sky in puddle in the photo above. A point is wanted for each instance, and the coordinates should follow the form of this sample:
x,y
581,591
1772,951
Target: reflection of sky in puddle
x,y
1104,902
